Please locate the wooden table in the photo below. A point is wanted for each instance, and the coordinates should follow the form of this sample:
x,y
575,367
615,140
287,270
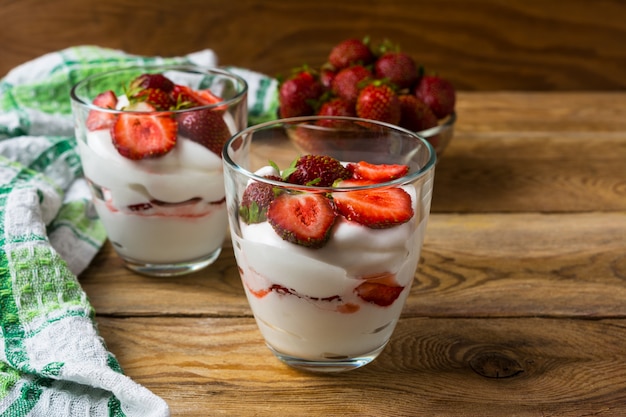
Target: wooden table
x,y
518,306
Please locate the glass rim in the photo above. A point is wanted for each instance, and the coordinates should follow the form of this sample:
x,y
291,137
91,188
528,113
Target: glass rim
x,y
408,178
162,67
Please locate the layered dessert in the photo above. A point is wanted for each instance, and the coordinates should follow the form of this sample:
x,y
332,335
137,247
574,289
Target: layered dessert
x,y
155,169
327,273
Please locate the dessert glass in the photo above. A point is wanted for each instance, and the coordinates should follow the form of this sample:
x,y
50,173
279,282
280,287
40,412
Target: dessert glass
x,y
164,215
308,303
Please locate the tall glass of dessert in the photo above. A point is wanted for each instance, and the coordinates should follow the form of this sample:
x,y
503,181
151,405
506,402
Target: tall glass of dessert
x,y
327,219
150,141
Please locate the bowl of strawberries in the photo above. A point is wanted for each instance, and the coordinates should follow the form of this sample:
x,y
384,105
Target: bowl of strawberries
x,y
378,82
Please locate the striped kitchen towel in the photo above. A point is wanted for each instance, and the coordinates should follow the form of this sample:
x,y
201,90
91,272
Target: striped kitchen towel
x,y
52,360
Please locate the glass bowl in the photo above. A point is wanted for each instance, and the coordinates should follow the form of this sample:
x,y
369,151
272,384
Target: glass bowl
x,y
441,135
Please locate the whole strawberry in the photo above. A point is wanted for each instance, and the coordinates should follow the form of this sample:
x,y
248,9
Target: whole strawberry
x,y
348,82
255,201
327,75
398,67
350,52
205,126
335,107
298,94
318,170
159,99
438,93
415,114
378,102
156,81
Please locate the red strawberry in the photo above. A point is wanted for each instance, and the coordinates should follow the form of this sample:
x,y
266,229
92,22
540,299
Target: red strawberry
x,y
255,201
378,293
298,94
101,120
415,114
376,208
158,99
305,219
350,52
205,126
379,102
398,67
347,82
156,81
438,93
144,135
377,172
326,77
335,107
186,97
318,170
207,97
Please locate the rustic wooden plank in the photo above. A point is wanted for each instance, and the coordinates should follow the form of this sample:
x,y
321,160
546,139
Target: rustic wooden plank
x,y
589,114
485,174
480,265
522,265
517,152
457,367
479,45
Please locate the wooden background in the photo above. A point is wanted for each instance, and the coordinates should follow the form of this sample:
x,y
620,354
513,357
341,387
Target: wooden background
x,y
481,45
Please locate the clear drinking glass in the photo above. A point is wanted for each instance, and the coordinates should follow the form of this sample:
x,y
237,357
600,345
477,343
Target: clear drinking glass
x,y
161,202
329,306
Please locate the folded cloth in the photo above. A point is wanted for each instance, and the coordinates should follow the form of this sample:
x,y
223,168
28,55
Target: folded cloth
x,y
53,362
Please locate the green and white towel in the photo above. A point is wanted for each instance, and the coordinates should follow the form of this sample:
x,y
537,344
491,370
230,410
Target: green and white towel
x,y
52,360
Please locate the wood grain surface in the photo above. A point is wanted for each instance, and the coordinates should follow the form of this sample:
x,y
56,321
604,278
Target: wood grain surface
x,y
478,44
431,367
517,307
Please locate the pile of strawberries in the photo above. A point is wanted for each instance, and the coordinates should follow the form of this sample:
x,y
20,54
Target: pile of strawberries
x,y
306,219
148,127
380,83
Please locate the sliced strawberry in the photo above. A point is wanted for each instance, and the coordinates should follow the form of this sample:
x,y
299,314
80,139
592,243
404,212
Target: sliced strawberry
x,y
305,219
101,120
378,293
207,96
378,208
144,135
206,127
377,172
186,97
